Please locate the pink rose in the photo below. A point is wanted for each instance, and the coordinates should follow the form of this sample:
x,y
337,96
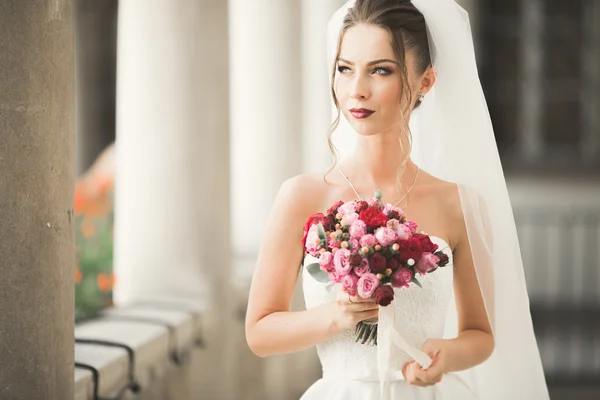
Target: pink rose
x,y
326,261
372,201
392,224
385,236
367,284
412,226
312,240
403,232
349,219
363,268
354,246
341,261
358,229
331,242
387,208
427,262
349,283
402,277
368,240
334,277
347,208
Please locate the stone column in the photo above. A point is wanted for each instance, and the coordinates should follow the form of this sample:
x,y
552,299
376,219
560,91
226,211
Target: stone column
x,y
95,72
316,91
37,254
172,177
590,88
530,137
266,95
266,149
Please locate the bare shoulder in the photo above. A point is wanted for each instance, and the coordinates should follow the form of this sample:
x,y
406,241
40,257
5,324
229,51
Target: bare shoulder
x,y
445,198
304,193
444,193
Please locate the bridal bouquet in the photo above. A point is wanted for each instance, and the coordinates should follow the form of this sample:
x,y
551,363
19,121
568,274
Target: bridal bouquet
x,y
368,248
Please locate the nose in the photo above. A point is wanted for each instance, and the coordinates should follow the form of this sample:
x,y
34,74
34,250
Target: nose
x,y
359,89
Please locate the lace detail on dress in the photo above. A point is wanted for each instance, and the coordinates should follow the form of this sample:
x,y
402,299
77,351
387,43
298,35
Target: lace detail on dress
x,y
420,314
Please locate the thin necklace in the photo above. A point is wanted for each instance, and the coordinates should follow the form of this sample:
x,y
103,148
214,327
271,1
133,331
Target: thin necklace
x,y
360,197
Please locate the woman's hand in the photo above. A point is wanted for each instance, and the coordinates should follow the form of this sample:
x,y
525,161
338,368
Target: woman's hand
x,y
415,375
348,311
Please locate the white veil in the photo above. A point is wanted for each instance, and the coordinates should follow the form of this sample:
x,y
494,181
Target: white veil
x,y
453,139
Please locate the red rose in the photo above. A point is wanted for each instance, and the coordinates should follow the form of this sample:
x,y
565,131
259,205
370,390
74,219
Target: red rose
x,y
443,259
393,264
384,295
394,215
410,248
378,263
426,244
356,260
329,223
334,208
361,205
313,220
373,217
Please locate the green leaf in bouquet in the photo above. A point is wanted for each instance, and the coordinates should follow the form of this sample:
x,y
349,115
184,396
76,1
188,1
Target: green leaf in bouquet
x,y
321,231
317,273
378,195
416,282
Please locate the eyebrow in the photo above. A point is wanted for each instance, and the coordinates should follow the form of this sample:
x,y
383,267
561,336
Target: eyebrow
x,y
370,62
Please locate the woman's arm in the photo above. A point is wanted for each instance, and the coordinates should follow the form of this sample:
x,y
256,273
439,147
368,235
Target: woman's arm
x,y
475,340
270,326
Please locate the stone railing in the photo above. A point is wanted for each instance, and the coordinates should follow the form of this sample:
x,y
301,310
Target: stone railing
x,y
148,349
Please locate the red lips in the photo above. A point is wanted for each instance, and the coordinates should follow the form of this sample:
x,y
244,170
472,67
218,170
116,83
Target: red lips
x,y
361,113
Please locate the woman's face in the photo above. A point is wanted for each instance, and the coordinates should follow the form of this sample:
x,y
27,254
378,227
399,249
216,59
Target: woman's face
x,y
369,80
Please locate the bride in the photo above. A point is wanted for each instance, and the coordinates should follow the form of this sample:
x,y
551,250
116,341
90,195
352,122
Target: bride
x,y
406,90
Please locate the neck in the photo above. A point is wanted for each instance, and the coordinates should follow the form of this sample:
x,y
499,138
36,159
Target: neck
x,y
376,162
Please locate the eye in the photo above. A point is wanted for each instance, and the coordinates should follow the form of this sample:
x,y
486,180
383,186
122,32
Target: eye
x,y
342,69
382,71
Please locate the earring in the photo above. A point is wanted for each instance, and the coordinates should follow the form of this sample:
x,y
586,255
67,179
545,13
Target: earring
x,y
421,96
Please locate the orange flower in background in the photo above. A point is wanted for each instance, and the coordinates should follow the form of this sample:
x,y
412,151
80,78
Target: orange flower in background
x,y
92,195
78,276
106,282
87,227
81,198
103,184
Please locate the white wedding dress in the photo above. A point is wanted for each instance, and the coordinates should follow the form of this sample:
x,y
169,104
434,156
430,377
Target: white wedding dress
x,y
350,369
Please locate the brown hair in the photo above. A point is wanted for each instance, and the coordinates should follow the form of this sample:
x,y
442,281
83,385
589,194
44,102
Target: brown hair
x,y
407,29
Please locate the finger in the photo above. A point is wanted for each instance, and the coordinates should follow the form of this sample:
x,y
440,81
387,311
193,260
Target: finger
x,y
358,307
364,315
429,376
358,299
411,377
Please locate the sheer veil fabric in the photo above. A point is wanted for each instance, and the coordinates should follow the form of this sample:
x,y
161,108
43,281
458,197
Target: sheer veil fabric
x,y
453,140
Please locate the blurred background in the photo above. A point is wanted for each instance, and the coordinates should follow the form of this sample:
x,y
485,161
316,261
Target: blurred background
x,y
191,114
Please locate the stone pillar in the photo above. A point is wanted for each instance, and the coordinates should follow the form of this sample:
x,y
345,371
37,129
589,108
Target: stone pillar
x,y
266,149
316,91
590,88
95,72
37,254
172,179
530,136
